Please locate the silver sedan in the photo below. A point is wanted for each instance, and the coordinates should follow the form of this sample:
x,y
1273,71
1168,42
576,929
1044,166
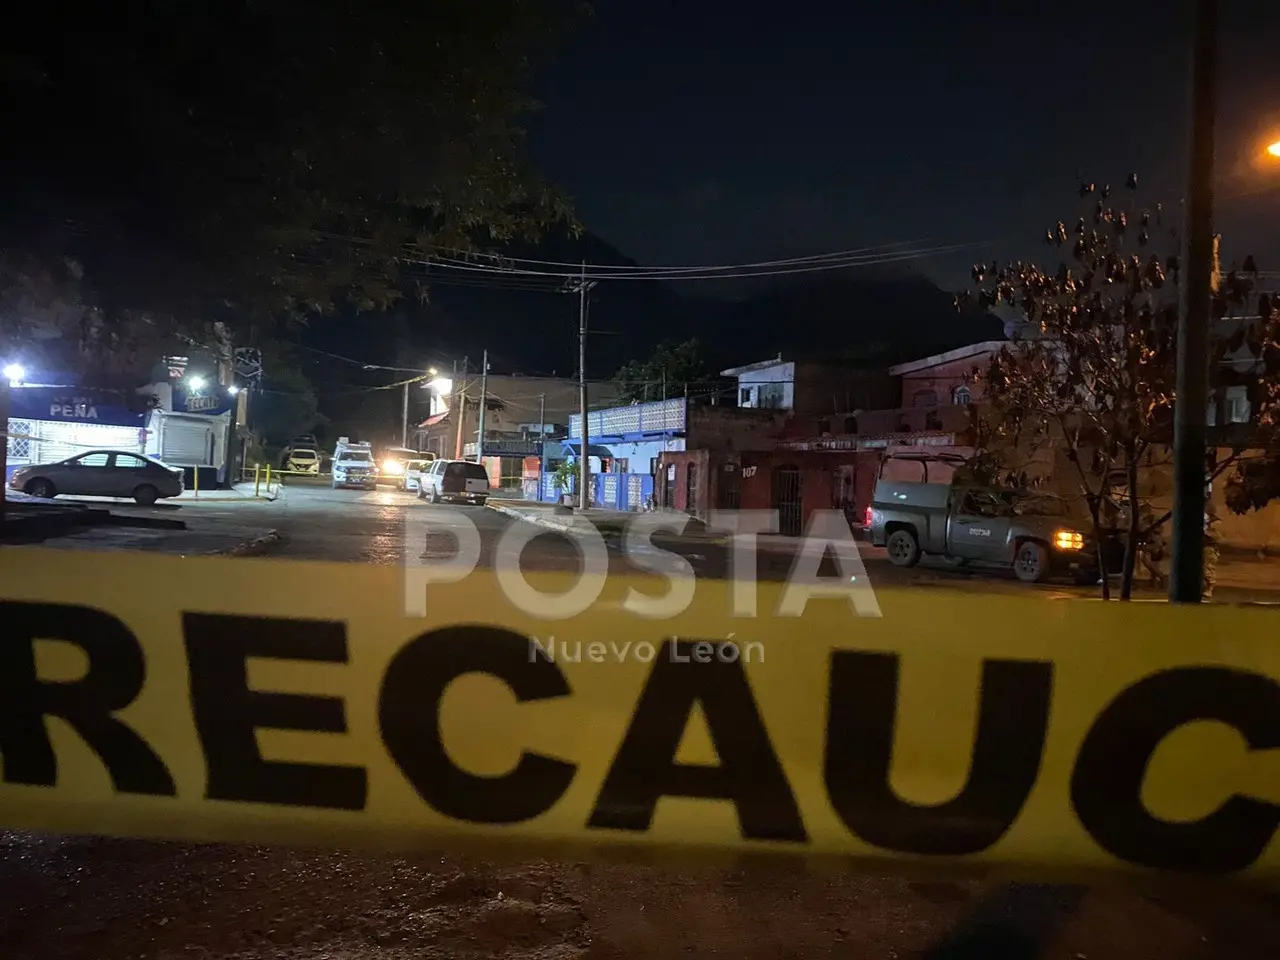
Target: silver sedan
x,y
101,473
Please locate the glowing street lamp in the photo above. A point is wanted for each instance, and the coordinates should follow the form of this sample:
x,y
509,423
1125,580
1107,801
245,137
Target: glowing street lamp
x,y
1274,149
195,383
15,373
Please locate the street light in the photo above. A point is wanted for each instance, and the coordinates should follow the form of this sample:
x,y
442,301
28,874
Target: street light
x,y
14,373
1274,149
195,382
233,390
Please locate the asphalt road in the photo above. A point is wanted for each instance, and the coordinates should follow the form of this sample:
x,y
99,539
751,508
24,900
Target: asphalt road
x,y
91,899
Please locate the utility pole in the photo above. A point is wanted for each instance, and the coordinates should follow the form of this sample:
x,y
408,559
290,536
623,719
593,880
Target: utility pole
x,y
1186,581
4,438
404,431
542,416
582,286
461,396
484,396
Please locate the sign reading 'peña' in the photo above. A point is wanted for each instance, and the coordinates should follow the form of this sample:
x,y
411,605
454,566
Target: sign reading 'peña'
x,y
1029,733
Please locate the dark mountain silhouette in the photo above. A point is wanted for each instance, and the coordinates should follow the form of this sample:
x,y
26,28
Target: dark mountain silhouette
x,y
885,319
530,326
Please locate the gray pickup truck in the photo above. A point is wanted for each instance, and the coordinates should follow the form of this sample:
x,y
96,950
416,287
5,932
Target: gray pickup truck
x,y
1034,533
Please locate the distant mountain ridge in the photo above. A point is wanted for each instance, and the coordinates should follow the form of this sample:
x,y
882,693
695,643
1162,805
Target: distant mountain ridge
x,y
529,327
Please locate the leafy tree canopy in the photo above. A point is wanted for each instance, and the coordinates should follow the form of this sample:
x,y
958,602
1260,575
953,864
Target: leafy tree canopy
x,y
669,371
240,159
1092,367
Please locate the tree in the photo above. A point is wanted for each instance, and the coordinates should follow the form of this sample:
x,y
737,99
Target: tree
x,y
237,159
1092,366
671,370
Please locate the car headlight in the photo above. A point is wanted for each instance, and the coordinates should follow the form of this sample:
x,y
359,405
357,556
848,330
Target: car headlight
x,y
392,467
1068,540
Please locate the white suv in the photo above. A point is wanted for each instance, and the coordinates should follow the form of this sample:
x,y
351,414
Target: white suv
x,y
460,481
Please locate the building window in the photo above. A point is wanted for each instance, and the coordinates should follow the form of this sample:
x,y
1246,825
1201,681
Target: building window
x,y
850,424
1237,403
770,396
620,465
925,398
653,466
824,427
19,447
745,396
932,421
961,396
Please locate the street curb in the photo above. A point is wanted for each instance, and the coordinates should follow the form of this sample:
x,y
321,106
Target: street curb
x,y
574,530
252,548
537,521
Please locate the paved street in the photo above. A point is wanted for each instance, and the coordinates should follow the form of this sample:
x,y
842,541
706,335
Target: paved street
x,y
109,900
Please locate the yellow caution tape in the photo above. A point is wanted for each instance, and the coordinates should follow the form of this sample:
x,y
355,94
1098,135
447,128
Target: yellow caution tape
x,y
270,701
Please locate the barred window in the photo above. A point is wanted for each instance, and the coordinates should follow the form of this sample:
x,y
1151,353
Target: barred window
x,y
19,447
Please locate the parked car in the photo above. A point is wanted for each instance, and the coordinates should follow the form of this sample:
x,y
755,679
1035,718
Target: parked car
x,y
413,472
302,460
101,473
458,481
393,462
353,466
1036,534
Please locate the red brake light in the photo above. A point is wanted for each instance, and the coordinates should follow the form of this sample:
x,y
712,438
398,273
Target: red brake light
x,y
866,518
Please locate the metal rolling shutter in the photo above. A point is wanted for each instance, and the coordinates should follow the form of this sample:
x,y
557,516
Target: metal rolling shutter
x,y
60,440
184,442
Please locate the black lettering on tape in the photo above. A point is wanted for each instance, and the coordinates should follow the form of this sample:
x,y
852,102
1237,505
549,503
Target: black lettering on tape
x,y
1013,716
228,713
749,773
409,715
114,679
1106,785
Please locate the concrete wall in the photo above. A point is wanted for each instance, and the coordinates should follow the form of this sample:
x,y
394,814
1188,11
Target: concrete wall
x,y
942,380
728,429
823,390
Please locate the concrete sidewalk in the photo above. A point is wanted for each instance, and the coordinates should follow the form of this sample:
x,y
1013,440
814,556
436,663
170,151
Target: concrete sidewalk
x,y
240,493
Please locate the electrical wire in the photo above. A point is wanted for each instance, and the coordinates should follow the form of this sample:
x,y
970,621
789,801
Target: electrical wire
x,y
862,256
577,268
665,277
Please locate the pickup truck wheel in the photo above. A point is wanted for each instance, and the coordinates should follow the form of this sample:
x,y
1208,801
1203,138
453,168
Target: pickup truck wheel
x,y
1031,562
903,548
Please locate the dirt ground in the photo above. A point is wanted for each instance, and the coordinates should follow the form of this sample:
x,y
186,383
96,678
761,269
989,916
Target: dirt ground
x,y
111,900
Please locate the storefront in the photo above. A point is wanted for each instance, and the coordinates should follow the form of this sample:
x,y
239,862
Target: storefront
x,y
190,429
47,424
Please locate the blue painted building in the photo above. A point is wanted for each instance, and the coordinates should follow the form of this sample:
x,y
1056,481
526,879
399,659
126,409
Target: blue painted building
x,y
49,423
624,444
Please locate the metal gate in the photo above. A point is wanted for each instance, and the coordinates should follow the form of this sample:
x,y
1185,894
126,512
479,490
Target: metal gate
x,y
691,488
729,490
787,499
184,443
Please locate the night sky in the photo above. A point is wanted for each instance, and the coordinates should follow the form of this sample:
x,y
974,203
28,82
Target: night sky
x,y
702,132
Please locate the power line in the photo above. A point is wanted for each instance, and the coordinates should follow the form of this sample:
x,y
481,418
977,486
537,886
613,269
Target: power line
x,y
862,256
812,258
866,261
